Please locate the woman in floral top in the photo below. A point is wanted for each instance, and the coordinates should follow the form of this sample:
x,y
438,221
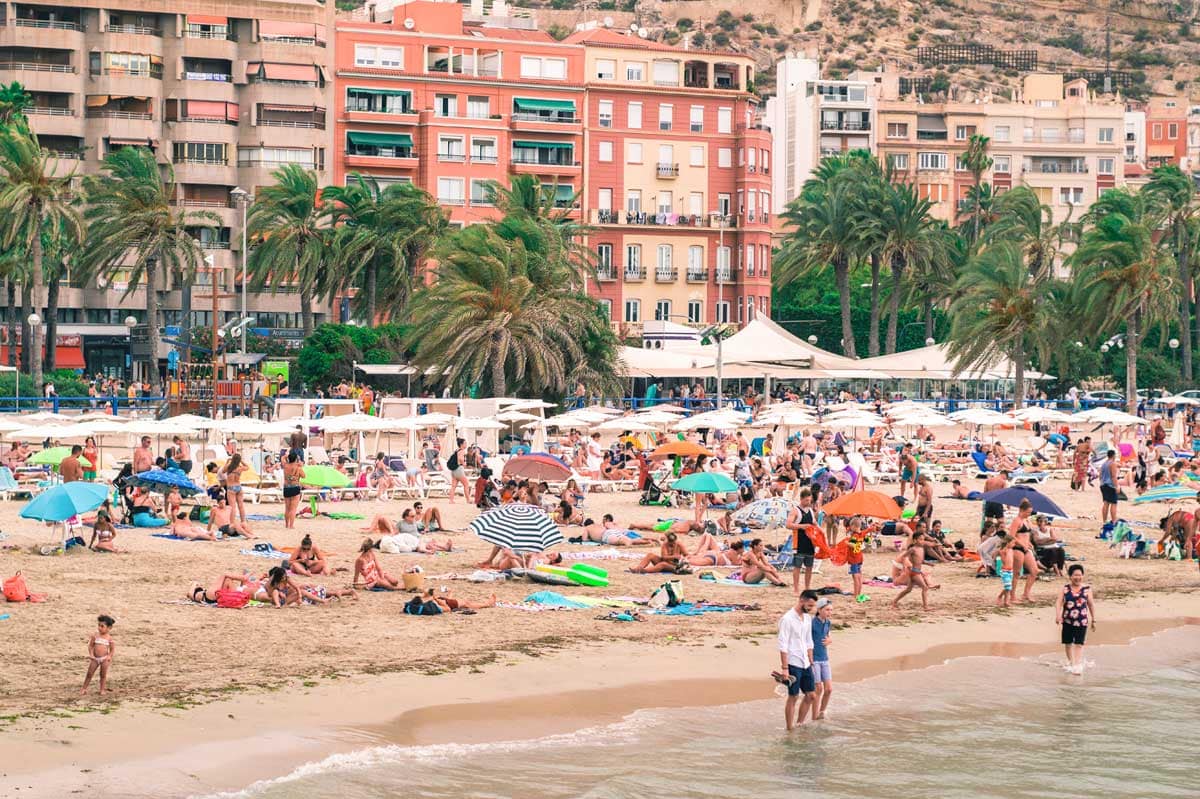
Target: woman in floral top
x,y
1074,611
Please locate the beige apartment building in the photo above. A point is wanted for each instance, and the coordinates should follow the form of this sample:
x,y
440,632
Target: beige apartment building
x,y
225,92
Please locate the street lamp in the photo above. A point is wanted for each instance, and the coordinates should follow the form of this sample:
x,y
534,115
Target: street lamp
x,y
130,323
1104,348
721,275
243,198
929,342
812,340
33,320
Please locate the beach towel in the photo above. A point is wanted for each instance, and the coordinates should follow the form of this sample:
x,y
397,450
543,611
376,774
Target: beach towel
x,y
731,581
263,517
173,537
692,609
273,554
605,554
554,599
882,583
529,608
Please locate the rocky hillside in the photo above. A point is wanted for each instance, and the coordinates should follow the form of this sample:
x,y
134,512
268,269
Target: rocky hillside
x,y
1156,42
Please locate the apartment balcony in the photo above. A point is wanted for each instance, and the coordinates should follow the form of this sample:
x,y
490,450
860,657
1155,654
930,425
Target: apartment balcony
x,y
931,135
542,123
529,166
640,218
666,170
101,113
725,275
398,160
696,275
216,171
663,275
452,158
849,125
137,30
33,66
634,274
1057,169
359,115
606,273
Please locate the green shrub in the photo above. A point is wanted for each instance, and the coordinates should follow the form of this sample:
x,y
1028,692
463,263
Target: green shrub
x,y
684,24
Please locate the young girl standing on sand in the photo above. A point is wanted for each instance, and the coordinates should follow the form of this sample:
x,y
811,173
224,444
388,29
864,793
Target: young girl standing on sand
x,y
1004,568
822,675
1075,612
100,653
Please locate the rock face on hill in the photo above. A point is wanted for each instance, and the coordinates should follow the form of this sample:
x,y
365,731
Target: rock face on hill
x,y
1148,47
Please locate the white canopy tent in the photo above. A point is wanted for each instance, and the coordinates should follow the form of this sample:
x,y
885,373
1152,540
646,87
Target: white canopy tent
x,y
934,363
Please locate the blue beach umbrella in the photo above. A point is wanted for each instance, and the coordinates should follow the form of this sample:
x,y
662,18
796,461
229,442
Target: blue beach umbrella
x,y
1013,495
164,480
705,483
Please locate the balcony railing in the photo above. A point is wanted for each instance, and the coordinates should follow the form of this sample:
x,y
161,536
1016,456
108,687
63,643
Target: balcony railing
x,y
202,161
634,274
352,108
484,158
451,201
100,113
697,275
845,124
611,217
154,71
48,24
383,153
70,155
517,159
50,111
452,157
725,274
214,245
525,116
289,123
30,66
667,170
307,41
193,203
197,34
213,77
143,30
931,135
662,275
605,273
1057,169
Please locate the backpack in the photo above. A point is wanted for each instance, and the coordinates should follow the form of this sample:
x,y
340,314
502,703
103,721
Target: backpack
x,y
667,595
15,589
419,607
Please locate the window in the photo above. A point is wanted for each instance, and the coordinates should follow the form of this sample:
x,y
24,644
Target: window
x,y
934,192
605,151
960,163
1001,133
1070,195
666,115
633,152
364,55
391,57
749,308
723,254
963,132
479,107
1002,164
696,119
931,161
665,202
696,203
722,310
725,157
445,105
1172,131
450,148
666,155
1105,166
606,69
450,191
604,259
483,151
695,311
606,306
662,310
482,192
666,254
695,259
635,71
1050,134
606,113
750,260
1156,131
1105,135
549,68
633,311
199,153
604,198
635,116
666,73
633,201
724,120
723,204
897,130
696,155
899,161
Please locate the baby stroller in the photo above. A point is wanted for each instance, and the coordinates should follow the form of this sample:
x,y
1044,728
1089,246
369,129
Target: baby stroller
x,y
652,494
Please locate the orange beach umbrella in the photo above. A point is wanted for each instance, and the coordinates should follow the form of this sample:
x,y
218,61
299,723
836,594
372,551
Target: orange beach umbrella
x,y
684,449
864,503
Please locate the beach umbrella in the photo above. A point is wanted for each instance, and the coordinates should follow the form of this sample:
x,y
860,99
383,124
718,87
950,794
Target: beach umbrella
x,y
683,449
517,526
864,503
324,477
477,423
769,512
1167,493
705,483
163,480
536,466
1176,399
517,416
625,424
603,409
851,422
1107,416
667,408
1013,496
65,501
1036,413
981,417
53,457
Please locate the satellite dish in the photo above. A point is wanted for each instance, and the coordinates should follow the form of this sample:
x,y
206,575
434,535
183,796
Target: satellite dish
x,y
608,22
642,33
409,23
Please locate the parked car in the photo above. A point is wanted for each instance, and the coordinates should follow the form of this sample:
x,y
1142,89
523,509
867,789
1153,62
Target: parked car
x,y
1106,399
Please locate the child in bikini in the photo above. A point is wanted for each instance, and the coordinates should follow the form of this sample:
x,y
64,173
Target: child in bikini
x,y
100,653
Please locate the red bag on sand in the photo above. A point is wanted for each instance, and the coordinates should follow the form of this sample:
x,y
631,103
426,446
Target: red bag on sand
x,y
232,599
15,589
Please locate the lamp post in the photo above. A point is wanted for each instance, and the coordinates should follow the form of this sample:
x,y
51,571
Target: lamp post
x,y
721,275
33,320
243,198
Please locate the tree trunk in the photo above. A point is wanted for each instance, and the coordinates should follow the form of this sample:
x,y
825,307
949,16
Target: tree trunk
x,y
873,334
977,179
1132,331
26,310
893,311
34,342
499,384
306,312
51,322
185,316
927,309
152,323
12,322
1018,357
372,288
1185,305
842,270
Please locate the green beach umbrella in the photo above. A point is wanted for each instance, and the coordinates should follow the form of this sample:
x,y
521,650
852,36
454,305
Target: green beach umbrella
x,y
54,456
324,477
705,483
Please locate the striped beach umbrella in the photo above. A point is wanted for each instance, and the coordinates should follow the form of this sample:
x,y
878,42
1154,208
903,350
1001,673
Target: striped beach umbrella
x,y
1169,492
517,526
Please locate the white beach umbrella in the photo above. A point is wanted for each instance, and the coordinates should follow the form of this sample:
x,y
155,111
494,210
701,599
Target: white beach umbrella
x,y
666,408
517,416
56,432
603,409
657,418
1107,416
850,422
787,419
1176,399
980,417
625,424
1035,413
365,423
477,423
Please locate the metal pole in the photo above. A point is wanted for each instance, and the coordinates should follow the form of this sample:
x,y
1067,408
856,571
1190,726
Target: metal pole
x,y
719,367
216,326
245,204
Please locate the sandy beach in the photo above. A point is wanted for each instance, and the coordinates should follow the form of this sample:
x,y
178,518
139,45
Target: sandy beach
x,y
289,686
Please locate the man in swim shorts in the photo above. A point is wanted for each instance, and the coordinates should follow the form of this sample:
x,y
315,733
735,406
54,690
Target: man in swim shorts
x,y
908,470
677,526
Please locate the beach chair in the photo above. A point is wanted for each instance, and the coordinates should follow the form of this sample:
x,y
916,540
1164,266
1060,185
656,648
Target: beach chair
x,y
8,484
980,459
317,455
436,485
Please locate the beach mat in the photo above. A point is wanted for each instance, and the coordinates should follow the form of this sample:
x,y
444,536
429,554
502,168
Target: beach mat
x,y
273,554
170,537
263,517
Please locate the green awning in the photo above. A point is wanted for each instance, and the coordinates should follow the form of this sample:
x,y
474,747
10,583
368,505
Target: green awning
x,y
379,139
544,145
538,104
382,92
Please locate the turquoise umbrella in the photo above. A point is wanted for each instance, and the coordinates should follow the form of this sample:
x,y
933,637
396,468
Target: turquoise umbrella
x,y
65,501
705,483
1167,493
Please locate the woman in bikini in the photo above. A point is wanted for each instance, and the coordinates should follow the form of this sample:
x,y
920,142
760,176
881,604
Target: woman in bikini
x,y
233,484
367,572
103,534
566,514
293,472
671,556
309,560
608,534
572,494
709,553
755,567
1022,530
256,587
450,604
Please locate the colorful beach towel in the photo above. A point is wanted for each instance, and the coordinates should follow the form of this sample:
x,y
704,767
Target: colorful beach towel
x,y
171,537
273,554
604,554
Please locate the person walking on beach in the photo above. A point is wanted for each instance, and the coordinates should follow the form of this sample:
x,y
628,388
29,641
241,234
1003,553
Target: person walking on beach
x,y
913,563
908,470
1108,488
803,551
822,675
795,659
1075,611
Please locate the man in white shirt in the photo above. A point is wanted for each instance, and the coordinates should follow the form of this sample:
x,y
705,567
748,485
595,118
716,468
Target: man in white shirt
x,y
795,658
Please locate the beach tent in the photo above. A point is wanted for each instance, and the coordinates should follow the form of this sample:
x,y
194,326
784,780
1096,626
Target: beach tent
x,y
934,363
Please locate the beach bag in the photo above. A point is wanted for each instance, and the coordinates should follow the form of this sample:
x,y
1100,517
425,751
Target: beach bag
x,y
418,607
227,598
15,589
667,595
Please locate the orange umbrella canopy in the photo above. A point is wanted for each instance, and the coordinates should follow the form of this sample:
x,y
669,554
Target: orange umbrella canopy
x,y
864,503
684,449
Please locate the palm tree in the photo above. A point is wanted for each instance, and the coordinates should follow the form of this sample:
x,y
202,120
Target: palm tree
x,y
381,236
1021,217
484,318
13,102
912,239
530,212
1122,274
134,228
824,219
33,200
977,161
290,237
1175,192
1000,310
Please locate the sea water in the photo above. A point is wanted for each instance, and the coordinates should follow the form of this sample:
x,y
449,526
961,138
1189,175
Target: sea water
x,y
972,727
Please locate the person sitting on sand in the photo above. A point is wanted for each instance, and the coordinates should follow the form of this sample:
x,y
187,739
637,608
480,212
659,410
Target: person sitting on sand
x,y
566,514
404,537
182,527
429,520
220,517
103,534
756,567
669,559
710,553
367,572
144,508
571,493
308,560
450,604
675,527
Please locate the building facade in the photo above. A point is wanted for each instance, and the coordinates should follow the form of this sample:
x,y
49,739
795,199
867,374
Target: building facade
x,y
224,92
1166,132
